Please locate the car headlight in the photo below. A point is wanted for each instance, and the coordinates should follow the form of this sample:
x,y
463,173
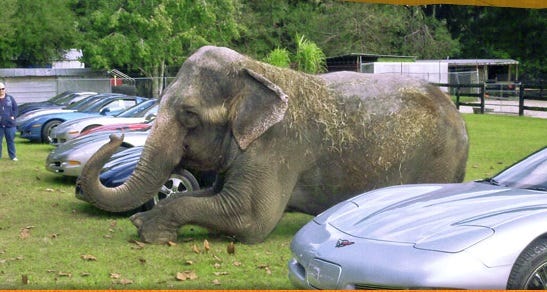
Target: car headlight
x,y
458,238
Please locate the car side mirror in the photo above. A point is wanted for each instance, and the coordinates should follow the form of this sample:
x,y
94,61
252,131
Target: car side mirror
x,y
105,111
150,117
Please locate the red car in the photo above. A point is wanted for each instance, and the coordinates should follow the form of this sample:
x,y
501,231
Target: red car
x,y
121,127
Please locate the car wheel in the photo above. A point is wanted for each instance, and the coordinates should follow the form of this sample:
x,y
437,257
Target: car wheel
x,y
46,130
530,270
177,183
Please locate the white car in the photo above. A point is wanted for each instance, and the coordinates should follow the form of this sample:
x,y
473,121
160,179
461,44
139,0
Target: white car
x,y
142,112
489,234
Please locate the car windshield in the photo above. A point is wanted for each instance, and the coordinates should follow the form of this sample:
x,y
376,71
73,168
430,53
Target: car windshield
x,y
137,111
59,97
83,103
529,173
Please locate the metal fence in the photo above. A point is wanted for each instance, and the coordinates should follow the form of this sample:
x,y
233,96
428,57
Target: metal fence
x,y
505,91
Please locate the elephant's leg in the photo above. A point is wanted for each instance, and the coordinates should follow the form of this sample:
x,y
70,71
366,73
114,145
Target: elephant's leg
x,y
247,210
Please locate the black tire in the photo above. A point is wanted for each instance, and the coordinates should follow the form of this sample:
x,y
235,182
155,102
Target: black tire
x,y
177,183
46,130
530,269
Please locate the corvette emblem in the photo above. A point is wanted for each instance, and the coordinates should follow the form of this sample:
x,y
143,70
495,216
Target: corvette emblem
x,y
343,242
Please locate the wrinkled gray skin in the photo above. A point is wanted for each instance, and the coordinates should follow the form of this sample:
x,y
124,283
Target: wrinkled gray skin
x,y
280,139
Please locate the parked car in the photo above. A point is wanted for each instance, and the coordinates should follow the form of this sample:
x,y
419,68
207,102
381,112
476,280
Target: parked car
x,y
121,166
68,130
120,127
58,101
69,158
487,234
79,105
39,128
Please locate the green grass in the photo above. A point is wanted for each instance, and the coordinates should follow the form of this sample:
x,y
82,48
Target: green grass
x,y
45,230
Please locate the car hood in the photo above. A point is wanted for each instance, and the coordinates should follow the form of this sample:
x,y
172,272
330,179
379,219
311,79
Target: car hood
x,y
420,213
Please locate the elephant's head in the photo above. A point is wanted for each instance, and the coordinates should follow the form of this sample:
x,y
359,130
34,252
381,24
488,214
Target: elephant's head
x,y
218,105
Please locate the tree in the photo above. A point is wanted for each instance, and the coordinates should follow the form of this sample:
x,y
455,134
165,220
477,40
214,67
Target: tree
x,y
35,33
339,28
494,32
146,36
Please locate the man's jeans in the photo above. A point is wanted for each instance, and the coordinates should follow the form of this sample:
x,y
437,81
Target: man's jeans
x,y
10,140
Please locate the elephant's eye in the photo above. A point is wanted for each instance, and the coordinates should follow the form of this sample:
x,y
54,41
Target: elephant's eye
x,y
189,119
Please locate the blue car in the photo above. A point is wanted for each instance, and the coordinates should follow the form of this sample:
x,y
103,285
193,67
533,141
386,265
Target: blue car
x,y
121,165
61,100
80,105
38,129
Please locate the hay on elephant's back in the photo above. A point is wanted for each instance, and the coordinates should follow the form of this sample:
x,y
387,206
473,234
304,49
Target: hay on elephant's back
x,y
310,105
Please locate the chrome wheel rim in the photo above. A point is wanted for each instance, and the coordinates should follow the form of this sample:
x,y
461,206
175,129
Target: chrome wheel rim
x,y
175,184
538,279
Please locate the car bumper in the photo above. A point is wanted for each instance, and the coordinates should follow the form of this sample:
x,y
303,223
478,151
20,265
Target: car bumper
x,y
32,134
371,264
63,166
62,138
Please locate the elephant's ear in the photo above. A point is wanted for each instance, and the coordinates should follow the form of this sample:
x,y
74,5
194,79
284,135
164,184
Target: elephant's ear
x,y
263,105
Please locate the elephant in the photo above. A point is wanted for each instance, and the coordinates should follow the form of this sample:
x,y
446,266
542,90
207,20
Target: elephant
x,y
280,140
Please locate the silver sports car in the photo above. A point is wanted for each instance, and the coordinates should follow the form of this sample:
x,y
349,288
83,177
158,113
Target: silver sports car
x,y
489,234
69,158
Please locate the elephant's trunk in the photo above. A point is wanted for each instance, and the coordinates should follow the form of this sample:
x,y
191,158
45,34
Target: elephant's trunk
x,y
143,184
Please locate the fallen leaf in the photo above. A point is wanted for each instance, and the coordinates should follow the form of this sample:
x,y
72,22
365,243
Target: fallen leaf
x,y
142,261
85,274
125,281
54,235
113,223
231,249
216,258
206,245
189,262
24,279
220,273
217,266
216,282
266,268
237,264
50,190
24,233
64,274
138,243
88,257
115,276
171,243
195,249
186,275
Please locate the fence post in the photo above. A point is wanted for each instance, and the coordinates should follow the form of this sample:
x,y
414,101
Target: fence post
x,y
521,100
458,96
482,91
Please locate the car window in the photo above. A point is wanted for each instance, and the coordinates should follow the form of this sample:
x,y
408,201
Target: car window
x,y
84,102
119,104
530,173
138,110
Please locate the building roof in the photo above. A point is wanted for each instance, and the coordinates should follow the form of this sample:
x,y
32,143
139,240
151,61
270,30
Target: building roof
x,y
474,62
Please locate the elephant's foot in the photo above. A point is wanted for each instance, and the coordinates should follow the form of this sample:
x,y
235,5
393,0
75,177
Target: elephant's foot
x,y
154,228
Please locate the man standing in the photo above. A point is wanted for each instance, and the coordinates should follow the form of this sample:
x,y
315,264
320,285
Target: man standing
x,y
8,112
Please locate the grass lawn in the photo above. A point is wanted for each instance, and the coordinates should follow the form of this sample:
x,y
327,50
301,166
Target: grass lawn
x,y
51,240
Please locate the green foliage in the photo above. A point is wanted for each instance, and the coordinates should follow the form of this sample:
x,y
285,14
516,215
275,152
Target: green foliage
x,y
279,57
35,32
309,58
